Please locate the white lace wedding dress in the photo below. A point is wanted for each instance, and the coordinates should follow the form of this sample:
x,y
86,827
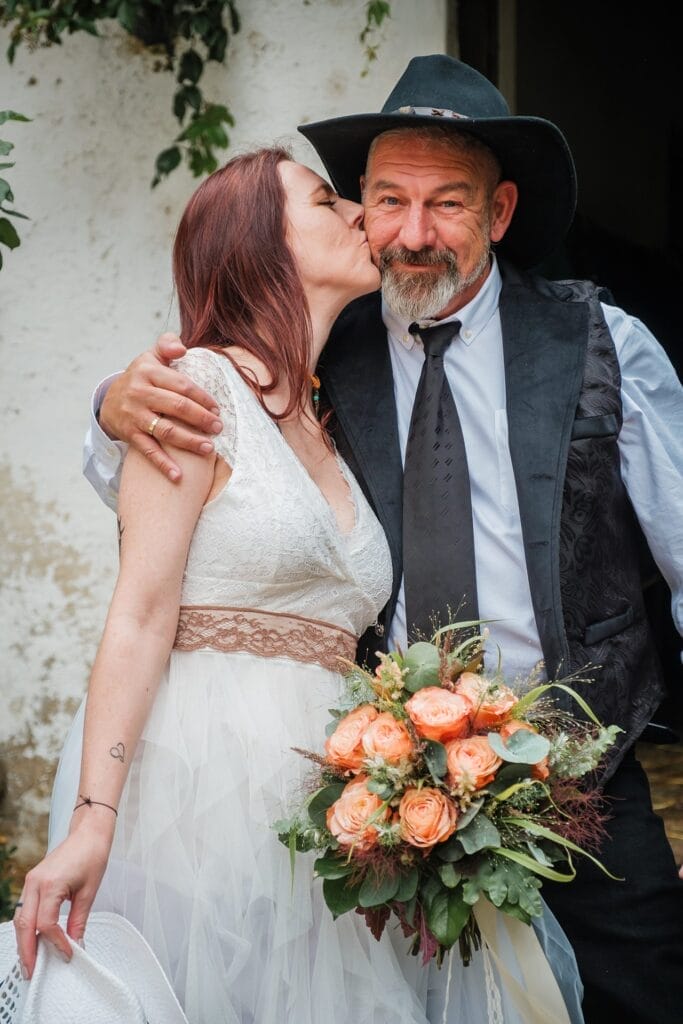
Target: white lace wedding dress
x,y
195,864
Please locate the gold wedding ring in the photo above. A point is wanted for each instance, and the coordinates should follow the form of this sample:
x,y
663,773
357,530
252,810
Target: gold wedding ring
x,y
151,428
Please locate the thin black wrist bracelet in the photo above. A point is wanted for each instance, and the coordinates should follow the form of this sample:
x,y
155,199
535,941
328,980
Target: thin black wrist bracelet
x,y
87,802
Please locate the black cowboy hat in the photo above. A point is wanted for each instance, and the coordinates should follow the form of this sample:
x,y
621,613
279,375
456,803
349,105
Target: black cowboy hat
x,y
440,90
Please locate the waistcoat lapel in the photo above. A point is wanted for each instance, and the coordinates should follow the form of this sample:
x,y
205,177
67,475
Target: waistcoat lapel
x,y
355,371
544,342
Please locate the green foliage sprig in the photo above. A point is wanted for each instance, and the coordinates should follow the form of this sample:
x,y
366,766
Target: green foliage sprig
x,y
375,13
187,34
7,898
8,232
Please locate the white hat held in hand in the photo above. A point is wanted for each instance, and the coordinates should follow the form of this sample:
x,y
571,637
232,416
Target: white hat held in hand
x,y
116,979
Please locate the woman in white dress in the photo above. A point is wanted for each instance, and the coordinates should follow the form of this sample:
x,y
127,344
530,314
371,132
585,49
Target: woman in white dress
x,y
239,588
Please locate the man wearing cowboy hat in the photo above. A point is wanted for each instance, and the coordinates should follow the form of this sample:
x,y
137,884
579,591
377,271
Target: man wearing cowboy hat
x,y
517,438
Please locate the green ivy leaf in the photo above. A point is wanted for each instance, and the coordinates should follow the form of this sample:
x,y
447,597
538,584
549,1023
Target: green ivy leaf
x,y
190,68
5,191
8,234
6,147
11,115
127,15
168,160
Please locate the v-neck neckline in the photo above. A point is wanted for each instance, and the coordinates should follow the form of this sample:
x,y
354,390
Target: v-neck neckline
x,y
343,470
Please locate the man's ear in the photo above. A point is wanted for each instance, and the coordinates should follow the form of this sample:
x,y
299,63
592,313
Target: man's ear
x,y
503,206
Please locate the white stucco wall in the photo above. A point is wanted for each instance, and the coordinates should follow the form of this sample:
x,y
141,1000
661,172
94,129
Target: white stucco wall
x,y
90,287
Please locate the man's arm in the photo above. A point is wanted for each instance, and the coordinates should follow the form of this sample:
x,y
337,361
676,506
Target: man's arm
x,y
651,445
149,389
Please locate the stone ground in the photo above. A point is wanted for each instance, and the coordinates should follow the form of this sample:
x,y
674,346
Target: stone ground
x,y
664,766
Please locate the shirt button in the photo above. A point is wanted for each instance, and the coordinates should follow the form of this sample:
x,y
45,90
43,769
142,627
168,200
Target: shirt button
x,y
467,334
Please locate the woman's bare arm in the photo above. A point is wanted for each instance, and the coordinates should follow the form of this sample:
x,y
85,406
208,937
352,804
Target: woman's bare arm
x,y
157,519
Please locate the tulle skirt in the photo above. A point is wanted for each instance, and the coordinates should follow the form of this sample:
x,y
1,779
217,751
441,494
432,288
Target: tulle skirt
x,y
197,868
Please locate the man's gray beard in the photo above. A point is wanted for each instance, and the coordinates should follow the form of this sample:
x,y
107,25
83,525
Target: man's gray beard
x,y
424,295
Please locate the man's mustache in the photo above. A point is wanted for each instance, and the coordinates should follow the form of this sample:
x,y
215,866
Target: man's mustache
x,y
421,258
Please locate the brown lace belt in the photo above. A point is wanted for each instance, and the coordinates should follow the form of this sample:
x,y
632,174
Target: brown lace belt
x,y
267,634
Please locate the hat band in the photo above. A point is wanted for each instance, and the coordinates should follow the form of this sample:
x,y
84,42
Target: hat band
x,y
431,112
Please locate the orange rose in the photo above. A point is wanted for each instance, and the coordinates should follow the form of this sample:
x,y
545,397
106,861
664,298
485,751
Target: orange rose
x,y
471,762
491,701
438,714
344,747
427,817
387,738
347,818
541,770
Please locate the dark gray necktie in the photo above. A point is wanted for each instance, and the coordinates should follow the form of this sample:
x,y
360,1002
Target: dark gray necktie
x,y
438,540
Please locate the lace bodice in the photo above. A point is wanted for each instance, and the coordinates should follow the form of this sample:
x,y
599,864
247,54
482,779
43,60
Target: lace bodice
x,y
269,539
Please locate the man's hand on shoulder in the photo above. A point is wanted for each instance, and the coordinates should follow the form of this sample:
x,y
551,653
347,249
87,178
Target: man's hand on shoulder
x,y
148,392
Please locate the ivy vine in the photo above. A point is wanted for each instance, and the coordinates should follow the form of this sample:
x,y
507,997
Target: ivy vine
x,y
185,34
8,232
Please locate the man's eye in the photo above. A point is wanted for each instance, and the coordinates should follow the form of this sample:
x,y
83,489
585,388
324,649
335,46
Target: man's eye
x,y
389,200
450,204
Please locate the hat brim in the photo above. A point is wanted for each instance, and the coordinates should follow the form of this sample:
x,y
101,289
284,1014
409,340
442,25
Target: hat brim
x,y
532,152
117,950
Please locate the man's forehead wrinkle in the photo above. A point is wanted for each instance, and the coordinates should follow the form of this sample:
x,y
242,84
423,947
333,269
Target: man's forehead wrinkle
x,y
456,185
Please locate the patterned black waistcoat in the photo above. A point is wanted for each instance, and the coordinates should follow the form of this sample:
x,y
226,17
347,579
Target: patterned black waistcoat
x,y
581,540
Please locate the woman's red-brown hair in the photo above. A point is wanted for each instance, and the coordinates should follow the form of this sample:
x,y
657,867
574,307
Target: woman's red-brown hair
x,y
236,278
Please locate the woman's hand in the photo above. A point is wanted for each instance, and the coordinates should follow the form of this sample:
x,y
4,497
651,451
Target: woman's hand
x,y
148,392
72,871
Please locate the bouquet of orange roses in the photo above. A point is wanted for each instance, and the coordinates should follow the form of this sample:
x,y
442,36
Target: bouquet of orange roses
x,y
442,786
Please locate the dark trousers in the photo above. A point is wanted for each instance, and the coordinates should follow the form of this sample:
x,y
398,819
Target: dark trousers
x,y
628,936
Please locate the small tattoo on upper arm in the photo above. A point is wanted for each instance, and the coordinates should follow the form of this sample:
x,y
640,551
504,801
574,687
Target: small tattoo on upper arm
x,y
118,752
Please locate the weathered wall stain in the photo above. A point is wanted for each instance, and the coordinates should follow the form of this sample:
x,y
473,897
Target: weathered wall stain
x,y
48,590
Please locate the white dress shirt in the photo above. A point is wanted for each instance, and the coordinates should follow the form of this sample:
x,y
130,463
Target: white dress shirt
x,y
649,446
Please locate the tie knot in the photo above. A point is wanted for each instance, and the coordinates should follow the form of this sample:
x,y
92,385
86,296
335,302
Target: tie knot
x,y
435,339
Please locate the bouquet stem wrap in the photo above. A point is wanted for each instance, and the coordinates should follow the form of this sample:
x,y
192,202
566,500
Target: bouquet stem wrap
x,y
538,1000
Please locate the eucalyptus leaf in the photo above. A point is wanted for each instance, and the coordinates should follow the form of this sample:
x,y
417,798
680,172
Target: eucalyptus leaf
x,y
423,663
449,876
523,747
436,759
467,816
480,834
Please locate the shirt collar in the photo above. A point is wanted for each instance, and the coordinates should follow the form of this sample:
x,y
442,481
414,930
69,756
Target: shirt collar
x,y
473,317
